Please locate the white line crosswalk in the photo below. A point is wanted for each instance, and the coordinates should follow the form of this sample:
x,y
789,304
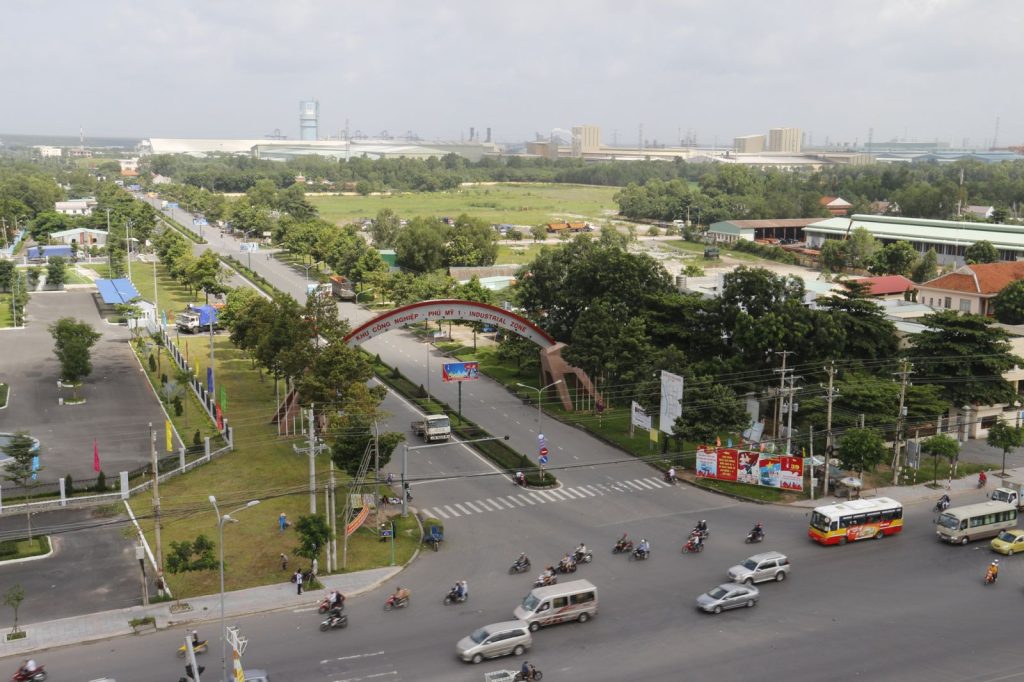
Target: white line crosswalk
x,y
535,497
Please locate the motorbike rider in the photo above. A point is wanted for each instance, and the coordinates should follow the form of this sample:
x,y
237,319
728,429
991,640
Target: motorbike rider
x,y
523,560
548,575
581,551
757,531
28,667
993,571
520,478
336,600
695,542
461,589
567,563
195,638
982,479
526,670
944,501
400,594
672,474
702,527
644,547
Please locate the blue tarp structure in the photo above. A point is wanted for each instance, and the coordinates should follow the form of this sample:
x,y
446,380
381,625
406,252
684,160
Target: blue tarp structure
x,y
116,291
49,251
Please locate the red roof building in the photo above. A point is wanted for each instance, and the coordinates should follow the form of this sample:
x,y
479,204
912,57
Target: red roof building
x,y
887,286
971,288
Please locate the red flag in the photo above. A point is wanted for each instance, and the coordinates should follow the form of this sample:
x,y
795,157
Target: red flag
x,y
220,419
95,456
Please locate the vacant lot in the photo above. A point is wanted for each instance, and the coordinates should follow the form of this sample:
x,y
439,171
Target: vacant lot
x,y
518,204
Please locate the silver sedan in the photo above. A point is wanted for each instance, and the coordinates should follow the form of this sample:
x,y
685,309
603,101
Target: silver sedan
x,y
727,596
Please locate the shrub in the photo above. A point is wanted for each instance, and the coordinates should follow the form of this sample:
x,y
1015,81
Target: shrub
x,y
197,438
69,484
152,363
101,483
179,408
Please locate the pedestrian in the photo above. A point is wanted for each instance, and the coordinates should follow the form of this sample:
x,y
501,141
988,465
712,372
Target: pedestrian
x,y
160,584
384,500
282,521
298,581
284,562
391,478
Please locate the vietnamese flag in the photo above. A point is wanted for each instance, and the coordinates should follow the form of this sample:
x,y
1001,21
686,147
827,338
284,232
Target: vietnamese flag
x,y
95,456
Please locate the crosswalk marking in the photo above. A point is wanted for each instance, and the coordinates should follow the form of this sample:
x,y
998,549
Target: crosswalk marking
x,y
501,503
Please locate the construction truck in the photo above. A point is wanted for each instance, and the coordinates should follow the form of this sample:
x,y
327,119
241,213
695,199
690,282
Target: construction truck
x,y
197,319
433,428
342,288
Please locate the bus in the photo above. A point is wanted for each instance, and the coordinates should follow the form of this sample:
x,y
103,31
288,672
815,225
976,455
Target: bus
x,y
837,524
960,525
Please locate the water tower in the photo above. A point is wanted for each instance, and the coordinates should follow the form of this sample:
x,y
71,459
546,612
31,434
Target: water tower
x,y
309,120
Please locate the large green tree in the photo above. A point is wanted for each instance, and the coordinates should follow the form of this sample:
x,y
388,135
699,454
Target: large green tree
x,y
868,335
472,242
72,344
1005,437
861,449
897,258
19,470
709,411
384,228
940,445
967,355
420,246
1009,303
981,252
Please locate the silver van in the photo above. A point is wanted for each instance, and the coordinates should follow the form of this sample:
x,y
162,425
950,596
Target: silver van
x,y
574,600
761,567
500,639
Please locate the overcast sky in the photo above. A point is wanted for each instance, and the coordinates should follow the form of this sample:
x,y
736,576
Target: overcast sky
x,y
911,69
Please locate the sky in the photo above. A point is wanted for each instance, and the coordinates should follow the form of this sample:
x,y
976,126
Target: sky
x,y
916,70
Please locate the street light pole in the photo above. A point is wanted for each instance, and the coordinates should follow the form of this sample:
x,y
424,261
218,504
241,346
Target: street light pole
x,y
221,520
540,393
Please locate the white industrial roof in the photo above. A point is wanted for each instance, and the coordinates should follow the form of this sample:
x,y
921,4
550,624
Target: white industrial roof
x,y
1007,237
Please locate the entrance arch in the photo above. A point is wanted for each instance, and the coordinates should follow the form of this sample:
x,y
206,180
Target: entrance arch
x,y
554,368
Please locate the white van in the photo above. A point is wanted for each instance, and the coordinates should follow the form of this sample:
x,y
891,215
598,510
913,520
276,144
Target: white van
x,y
575,600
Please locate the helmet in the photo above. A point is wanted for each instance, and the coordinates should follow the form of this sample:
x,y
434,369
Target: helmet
x,y
995,561
703,521
195,632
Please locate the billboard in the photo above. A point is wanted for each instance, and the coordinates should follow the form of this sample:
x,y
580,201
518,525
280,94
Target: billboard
x,y
460,371
639,417
754,468
671,401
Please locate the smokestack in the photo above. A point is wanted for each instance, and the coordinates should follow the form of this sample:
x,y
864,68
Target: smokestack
x,y
488,135
472,133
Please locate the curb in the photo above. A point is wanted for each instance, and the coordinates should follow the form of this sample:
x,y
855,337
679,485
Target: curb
x,y
11,562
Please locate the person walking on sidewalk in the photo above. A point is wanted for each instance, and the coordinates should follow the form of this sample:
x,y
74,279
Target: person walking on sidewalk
x,y
298,581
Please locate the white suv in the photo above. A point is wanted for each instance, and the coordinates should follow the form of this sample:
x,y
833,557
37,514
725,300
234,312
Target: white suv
x,y
761,567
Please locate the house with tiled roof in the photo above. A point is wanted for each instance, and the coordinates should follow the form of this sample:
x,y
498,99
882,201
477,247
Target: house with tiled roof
x,y
971,288
836,205
887,287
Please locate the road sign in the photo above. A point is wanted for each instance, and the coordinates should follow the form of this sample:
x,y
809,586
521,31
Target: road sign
x,y
543,459
543,452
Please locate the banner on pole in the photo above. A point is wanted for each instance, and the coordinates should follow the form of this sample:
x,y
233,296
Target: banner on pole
x,y
168,431
460,371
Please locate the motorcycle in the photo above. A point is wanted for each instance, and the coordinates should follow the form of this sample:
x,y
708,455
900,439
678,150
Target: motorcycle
x,y
990,577
334,620
753,537
566,568
544,581
533,675
703,534
583,558
669,478
692,546
621,547
325,605
519,566
640,555
453,597
198,648
393,603
38,675
942,505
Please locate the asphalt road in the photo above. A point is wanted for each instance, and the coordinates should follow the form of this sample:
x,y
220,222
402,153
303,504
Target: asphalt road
x,y
901,608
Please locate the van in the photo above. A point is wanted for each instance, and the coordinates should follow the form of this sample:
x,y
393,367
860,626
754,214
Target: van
x,y
575,600
761,567
499,639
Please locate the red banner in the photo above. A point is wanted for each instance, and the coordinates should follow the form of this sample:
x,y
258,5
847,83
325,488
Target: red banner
x,y
754,468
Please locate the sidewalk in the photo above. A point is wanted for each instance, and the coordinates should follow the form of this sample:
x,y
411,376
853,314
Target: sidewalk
x,y
922,491
106,624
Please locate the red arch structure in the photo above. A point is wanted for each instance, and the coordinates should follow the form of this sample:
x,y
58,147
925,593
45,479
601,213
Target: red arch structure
x,y
554,368
449,309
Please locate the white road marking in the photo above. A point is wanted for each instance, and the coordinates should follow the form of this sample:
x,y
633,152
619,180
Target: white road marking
x,y
486,506
471,506
438,513
658,482
514,499
349,658
596,489
548,496
559,495
537,497
527,498
450,510
640,481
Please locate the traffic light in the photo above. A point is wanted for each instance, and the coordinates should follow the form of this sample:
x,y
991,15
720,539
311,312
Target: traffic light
x,y
189,672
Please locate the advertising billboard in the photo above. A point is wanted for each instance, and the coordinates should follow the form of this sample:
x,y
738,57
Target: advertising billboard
x,y
460,371
754,468
671,401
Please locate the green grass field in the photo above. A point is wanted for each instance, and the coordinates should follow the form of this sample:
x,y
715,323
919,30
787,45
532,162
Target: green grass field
x,y
5,310
526,204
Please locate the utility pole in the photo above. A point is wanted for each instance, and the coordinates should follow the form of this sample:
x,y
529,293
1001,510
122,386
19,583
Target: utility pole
x,y
156,499
312,450
332,514
829,447
128,246
903,375
791,408
782,386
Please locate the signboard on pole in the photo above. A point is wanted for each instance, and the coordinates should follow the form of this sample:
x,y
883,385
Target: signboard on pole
x,y
671,401
639,417
460,371
754,468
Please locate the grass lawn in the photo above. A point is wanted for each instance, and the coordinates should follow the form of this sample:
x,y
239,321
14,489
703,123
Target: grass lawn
x,y
4,389
5,310
173,297
518,204
101,269
517,253
22,549
698,250
72,277
263,466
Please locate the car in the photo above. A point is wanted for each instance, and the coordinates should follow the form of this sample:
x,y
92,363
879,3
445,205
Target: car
x,y
499,639
761,567
1009,542
728,596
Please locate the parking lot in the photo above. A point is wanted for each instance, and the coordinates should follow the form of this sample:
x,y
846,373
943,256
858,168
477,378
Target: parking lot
x,y
119,406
